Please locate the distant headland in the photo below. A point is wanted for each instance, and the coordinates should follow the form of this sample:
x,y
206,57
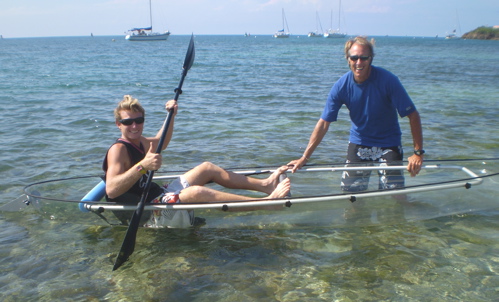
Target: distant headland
x,y
483,33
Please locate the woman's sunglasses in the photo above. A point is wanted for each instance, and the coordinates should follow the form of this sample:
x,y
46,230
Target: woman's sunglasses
x,y
129,121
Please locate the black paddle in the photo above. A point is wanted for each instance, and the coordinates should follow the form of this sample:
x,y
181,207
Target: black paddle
x,y
128,244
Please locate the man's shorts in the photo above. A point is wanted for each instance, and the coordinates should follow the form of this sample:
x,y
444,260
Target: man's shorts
x,y
171,218
358,155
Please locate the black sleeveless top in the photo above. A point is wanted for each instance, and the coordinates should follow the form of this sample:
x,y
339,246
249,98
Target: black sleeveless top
x,y
132,196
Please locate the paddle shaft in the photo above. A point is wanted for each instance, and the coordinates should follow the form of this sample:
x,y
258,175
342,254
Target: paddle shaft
x,y
128,244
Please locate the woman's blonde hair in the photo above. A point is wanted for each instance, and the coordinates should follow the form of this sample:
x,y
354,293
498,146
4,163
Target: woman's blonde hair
x,y
129,104
359,40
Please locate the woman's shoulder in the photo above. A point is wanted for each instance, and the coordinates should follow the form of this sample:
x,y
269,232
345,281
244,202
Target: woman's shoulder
x,y
119,147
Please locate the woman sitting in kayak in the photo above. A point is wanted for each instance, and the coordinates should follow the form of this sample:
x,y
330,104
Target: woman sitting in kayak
x,y
131,156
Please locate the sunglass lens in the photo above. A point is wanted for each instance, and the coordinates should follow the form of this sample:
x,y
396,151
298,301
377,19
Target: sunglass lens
x,y
362,58
129,121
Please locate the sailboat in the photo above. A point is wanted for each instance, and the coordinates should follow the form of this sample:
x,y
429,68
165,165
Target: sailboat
x,y
331,33
281,33
453,34
146,33
316,34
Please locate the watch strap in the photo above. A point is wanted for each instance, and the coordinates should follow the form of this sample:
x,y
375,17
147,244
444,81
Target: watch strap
x,y
419,152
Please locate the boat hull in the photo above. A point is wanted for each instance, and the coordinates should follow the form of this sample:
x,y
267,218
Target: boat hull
x,y
314,35
149,37
334,35
316,200
281,36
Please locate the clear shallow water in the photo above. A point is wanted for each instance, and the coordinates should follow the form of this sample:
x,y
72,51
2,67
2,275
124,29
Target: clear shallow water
x,y
246,102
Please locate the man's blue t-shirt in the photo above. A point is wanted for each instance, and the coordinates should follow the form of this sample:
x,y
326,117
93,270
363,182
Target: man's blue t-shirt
x,y
373,107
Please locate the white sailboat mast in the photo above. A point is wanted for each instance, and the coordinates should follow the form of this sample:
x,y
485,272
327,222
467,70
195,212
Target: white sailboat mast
x,y
150,12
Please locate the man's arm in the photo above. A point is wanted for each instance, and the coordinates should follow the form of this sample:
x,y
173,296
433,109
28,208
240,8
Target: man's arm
x,y
415,161
170,105
316,137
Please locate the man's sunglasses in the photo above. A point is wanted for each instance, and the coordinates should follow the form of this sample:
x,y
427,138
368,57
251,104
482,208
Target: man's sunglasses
x,y
362,58
129,121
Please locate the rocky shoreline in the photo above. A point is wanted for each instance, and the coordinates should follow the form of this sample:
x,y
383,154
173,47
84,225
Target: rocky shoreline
x,y
483,33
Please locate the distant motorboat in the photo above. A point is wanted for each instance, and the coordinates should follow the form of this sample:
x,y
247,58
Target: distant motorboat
x,y
146,33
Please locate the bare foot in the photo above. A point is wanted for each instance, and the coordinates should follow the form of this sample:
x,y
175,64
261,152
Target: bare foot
x,y
273,180
282,190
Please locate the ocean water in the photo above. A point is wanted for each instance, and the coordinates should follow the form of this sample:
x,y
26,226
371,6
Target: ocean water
x,y
246,102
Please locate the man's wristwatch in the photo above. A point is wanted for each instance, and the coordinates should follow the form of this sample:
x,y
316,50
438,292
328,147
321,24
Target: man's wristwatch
x,y
419,152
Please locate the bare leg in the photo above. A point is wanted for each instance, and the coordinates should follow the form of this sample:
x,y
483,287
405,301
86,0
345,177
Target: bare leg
x,y
203,194
208,172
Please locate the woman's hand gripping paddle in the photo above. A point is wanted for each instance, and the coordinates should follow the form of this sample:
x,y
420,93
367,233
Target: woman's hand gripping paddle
x,y
128,244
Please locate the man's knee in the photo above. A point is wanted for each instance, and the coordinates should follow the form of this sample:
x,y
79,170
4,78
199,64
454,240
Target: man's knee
x,y
355,181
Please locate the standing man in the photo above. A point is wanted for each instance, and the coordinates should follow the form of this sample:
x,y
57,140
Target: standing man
x,y
374,97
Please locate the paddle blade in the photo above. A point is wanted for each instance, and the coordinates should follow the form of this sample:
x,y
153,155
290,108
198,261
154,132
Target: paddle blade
x,y
189,56
128,245
188,61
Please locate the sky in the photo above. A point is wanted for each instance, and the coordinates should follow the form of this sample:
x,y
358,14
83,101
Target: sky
x,y
47,18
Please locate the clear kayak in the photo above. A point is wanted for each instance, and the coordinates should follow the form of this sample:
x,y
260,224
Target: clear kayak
x,y
443,188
